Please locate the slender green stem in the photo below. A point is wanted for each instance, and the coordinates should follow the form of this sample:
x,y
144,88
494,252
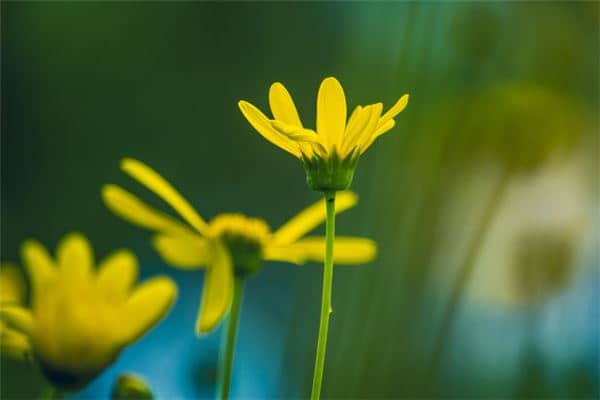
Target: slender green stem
x,y
326,297
50,392
228,341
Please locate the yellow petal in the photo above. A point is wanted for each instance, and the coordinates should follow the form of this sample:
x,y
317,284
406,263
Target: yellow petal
x,y
14,344
384,128
295,133
347,251
385,123
40,266
147,305
305,138
156,183
183,252
354,131
355,113
286,253
396,109
116,275
367,133
217,292
282,105
311,217
12,285
132,209
75,258
262,124
380,131
17,318
331,111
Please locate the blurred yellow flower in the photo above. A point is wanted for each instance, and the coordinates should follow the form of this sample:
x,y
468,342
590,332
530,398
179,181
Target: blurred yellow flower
x,y
330,153
12,292
230,244
80,319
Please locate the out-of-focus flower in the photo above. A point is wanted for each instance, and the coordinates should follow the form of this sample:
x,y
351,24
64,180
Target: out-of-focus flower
x,y
330,153
531,249
12,293
131,387
230,243
81,319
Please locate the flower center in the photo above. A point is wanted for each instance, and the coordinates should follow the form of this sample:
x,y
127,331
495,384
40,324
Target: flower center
x,y
244,237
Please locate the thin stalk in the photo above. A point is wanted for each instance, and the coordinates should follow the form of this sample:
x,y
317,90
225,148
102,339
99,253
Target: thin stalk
x,y
326,296
464,275
228,341
50,392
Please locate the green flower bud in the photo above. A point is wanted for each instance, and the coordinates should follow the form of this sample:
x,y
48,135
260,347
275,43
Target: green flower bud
x,y
131,387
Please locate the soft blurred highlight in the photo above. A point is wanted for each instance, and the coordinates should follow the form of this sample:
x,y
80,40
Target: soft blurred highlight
x,y
483,199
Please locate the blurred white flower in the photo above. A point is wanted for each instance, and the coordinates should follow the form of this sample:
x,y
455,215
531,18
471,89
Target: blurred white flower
x,y
532,247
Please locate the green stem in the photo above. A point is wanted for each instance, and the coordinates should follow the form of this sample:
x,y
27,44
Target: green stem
x,y
228,341
50,392
326,297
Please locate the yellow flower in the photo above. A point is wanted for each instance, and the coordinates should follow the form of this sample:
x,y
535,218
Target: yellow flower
x,y
12,292
81,319
230,243
330,153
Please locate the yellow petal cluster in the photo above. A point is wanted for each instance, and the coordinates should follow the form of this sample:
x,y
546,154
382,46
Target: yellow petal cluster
x,y
81,318
335,133
226,244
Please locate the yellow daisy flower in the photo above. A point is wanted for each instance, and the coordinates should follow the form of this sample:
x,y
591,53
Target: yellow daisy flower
x,y
330,153
81,319
230,244
12,292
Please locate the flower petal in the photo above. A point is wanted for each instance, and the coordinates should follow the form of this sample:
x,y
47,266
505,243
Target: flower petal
x,y
12,285
385,123
75,258
295,132
40,267
347,251
183,252
132,209
263,126
156,183
282,105
308,141
310,217
331,111
147,305
116,275
380,131
383,129
367,132
396,109
217,292
284,253
356,128
14,344
17,318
